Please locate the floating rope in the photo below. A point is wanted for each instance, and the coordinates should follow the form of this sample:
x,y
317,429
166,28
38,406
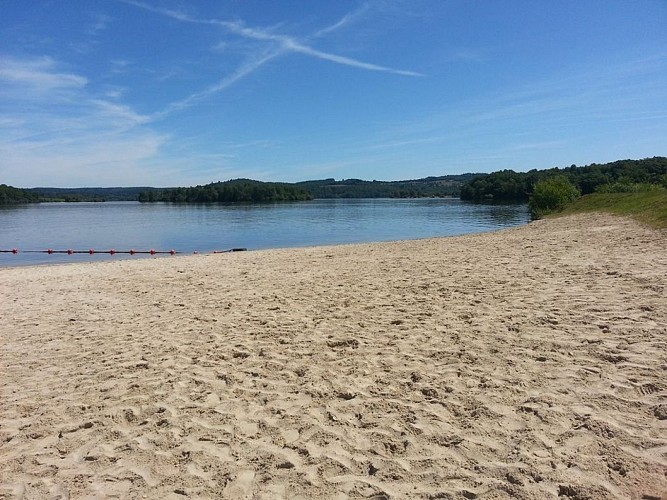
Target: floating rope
x,y
92,251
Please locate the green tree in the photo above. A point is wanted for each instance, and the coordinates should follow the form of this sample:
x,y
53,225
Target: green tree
x,y
10,195
551,195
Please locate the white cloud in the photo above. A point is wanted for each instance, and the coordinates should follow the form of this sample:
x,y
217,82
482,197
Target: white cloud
x,y
99,24
291,44
55,131
119,66
276,45
248,67
114,93
345,21
37,74
294,46
123,117
86,161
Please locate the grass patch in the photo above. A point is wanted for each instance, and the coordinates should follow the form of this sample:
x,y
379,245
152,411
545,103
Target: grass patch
x,y
649,207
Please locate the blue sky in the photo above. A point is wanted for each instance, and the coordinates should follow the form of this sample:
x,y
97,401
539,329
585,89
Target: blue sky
x,y
175,92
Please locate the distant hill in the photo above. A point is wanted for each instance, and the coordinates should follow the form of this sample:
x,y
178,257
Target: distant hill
x,y
10,195
89,193
504,185
233,191
446,185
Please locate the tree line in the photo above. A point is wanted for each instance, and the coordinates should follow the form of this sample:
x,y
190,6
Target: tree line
x,y
501,186
507,185
89,193
234,191
428,187
245,190
10,195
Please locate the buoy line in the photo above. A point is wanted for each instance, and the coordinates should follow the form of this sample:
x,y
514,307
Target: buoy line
x,y
91,251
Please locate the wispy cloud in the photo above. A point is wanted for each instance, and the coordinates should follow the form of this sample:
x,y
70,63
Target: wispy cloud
x,y
89,40
56,129
345,21
468,55
278,45
37,74
291,45
229,80
402,143
98,25
527,146
258,143
558,117
119,65
83,161
118,114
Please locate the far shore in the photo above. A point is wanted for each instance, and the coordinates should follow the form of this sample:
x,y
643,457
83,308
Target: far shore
x,y
524,363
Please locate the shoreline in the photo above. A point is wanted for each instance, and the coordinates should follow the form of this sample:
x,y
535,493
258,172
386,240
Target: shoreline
x,y
527,362
120,257
205,228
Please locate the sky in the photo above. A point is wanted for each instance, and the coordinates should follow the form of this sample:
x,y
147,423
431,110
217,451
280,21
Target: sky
x,y
178,93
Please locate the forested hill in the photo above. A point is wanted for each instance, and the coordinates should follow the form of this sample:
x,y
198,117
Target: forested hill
x,y
250,190
507,185
234,191
10,195
447,185
255,191
89,194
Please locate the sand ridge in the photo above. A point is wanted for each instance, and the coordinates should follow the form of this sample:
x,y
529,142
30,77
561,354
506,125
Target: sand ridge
x,y
527,363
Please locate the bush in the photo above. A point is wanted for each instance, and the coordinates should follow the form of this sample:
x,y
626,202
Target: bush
x,y
551,195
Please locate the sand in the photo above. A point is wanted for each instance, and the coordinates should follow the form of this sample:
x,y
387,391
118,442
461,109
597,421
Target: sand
x,y
528,363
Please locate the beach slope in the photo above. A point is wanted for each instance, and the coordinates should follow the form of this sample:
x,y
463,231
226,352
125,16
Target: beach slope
x,y
528,363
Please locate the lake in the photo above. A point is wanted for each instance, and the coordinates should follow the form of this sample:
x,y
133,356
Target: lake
x,y
187,228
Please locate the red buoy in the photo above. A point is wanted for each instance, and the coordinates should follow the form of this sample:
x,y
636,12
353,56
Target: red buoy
x,y
112,252
49,251
152,252
91,251
15,251
132,252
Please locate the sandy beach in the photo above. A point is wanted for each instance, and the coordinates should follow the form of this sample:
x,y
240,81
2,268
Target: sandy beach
x,y
528,363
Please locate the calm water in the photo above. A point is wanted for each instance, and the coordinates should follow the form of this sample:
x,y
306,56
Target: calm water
x,y
204,228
